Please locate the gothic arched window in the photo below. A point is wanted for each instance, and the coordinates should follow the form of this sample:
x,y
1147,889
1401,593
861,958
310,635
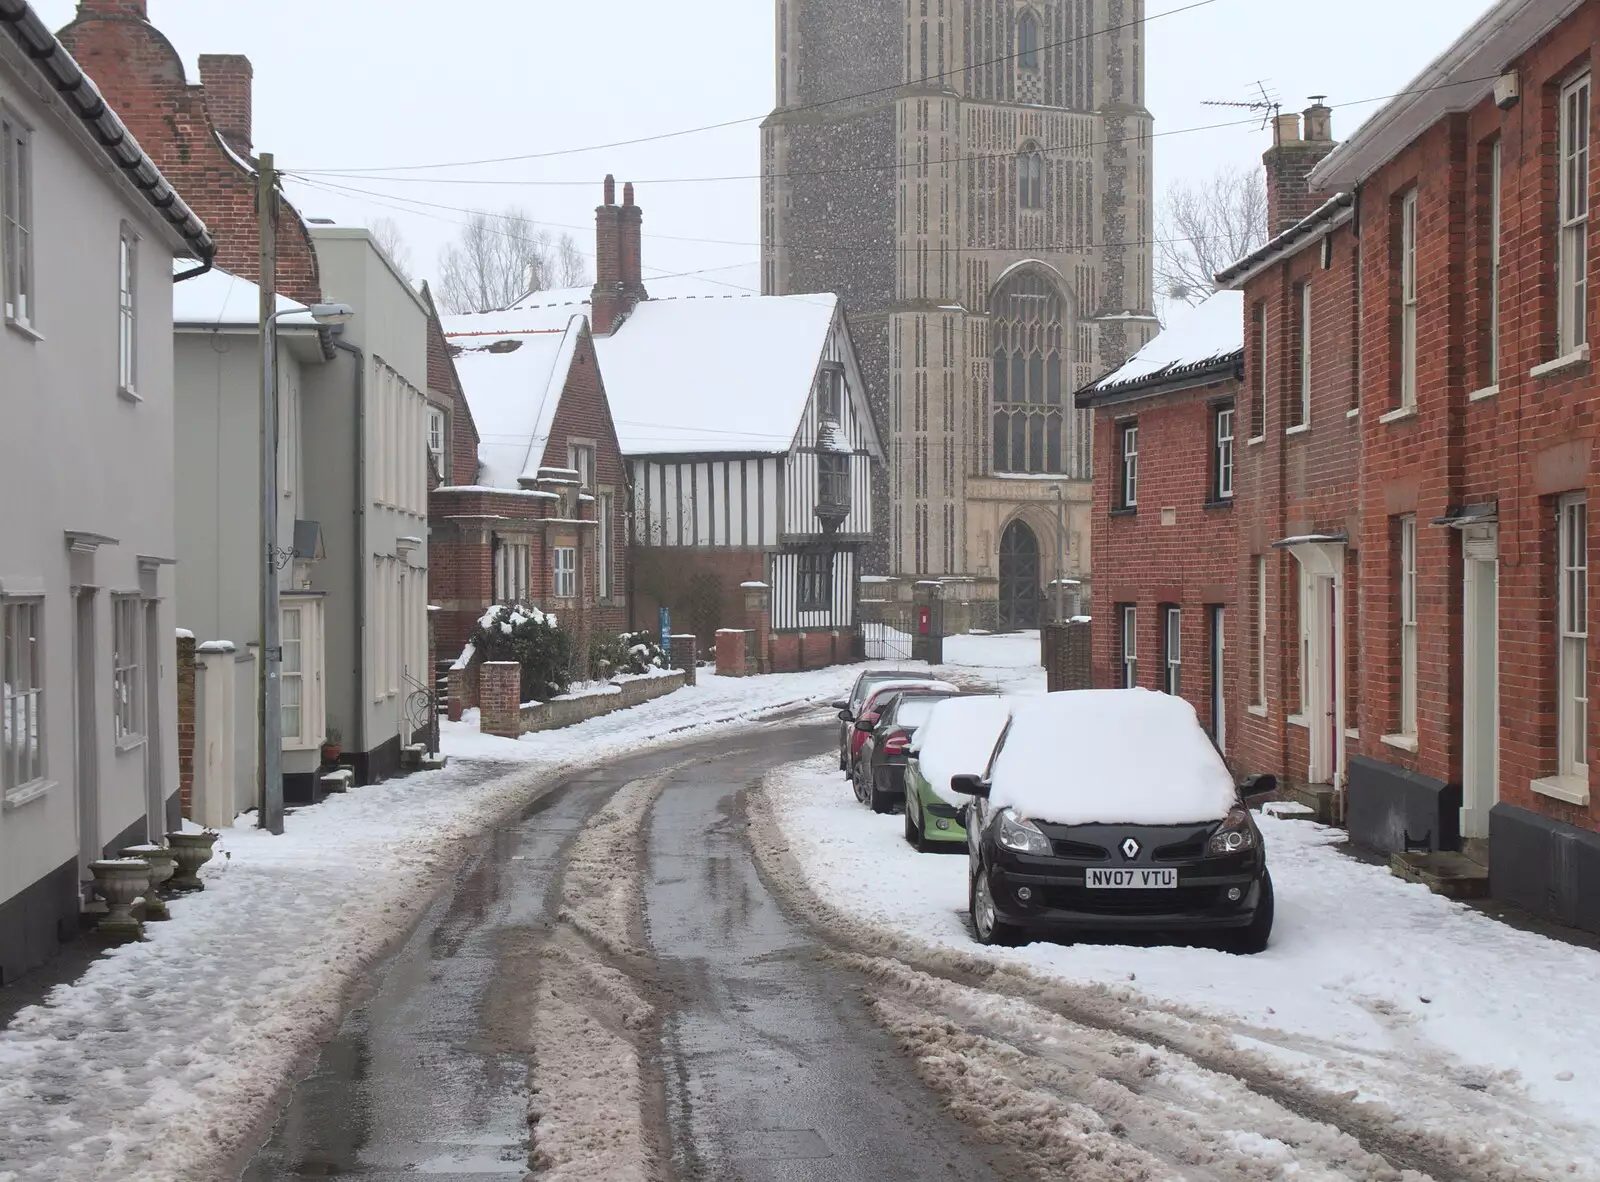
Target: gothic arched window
x,y
1030,376
1028,41
1030,177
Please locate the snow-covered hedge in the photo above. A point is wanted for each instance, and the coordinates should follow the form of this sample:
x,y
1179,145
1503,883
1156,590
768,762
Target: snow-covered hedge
x,y
533,639
626,652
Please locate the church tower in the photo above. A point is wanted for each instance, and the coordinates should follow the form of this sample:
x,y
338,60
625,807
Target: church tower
x,y
972,177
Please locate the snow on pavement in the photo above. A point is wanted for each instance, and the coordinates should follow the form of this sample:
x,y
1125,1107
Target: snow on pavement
x,y
1468,1031
164,1059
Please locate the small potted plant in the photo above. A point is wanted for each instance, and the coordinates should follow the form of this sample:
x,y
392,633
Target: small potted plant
x,y
330,747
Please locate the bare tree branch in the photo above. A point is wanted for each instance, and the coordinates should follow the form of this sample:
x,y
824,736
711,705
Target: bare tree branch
x,y
497,259
391,240
1204,228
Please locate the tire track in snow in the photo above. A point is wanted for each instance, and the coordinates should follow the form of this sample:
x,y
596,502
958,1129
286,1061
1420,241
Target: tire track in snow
x,y
1401,1143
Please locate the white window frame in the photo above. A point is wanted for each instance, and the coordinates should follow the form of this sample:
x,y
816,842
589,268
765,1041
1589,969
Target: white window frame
x,y
1496,212
1258,412
1223,442
564,572
436,439
292,672
1260,687
1305,356
512,562
22,700
1130,646
603,544
1408,301
1572,266
127,671
1128,435
17,279
1172,657
1572,621
128,313
580,458
1408,626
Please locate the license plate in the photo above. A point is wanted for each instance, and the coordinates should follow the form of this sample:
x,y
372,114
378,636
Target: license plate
x,y
1133,880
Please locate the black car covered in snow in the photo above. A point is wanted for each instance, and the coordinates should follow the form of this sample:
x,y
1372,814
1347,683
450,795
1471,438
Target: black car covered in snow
x,y
1111,811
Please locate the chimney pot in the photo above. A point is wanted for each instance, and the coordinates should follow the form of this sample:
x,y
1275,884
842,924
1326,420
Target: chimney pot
x,y
611,189
1286,129
1319,121
627,194
228,79
93,8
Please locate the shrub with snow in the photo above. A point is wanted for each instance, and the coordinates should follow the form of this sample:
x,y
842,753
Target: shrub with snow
x,y
626,652
533,639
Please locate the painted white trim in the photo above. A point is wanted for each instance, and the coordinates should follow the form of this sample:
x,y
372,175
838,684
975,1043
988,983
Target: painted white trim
x,y
1299,720
1258,711
1353,413
1480,395
1578,356
1399,414
1400,742
1571,789
1300,430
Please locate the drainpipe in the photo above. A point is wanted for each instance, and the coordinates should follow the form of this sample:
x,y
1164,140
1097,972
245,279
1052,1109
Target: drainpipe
x,y
360,605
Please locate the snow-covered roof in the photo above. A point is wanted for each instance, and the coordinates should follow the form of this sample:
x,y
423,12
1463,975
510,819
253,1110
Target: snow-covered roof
x,y
219,298
723,374
513,383
1209,334
736,280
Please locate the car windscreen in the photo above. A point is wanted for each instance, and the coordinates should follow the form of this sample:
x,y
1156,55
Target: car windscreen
x,y
914,711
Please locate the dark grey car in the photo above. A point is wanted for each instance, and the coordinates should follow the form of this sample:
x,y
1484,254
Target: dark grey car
x,y
849,707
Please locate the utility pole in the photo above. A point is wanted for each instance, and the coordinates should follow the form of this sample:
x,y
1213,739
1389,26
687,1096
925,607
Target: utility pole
x,y
269,800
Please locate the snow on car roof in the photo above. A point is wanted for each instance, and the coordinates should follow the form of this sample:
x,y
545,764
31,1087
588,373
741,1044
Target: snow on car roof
x,y
959,738
895,687
1132,757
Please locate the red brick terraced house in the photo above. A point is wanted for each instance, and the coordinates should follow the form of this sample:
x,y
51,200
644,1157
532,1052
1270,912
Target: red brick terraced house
x,y
1164,538
538,515
1478,418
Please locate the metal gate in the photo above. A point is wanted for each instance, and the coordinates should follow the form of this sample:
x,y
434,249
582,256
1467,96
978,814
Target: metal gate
x,y
1019,578
888,630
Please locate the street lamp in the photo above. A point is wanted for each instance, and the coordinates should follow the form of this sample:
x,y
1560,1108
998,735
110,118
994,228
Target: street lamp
x,y
269,810
1061,545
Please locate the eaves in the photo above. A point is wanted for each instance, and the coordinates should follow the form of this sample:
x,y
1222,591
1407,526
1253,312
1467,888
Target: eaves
x,y
1166,382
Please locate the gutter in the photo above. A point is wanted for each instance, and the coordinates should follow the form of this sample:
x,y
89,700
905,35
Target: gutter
x,y
66,77
360,605
1168,381
1330,215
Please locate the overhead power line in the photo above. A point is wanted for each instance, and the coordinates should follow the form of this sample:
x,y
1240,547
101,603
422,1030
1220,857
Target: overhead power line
x,y
847,98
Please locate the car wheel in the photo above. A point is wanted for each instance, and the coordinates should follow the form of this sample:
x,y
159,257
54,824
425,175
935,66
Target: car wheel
x,y
913,838
880,800
857,787
1253,939
987,925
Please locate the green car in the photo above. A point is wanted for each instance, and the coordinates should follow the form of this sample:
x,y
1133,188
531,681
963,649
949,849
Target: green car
x,y
932,824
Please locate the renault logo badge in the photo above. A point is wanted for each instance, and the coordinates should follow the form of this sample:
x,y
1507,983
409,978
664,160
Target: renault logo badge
x,y
1130,848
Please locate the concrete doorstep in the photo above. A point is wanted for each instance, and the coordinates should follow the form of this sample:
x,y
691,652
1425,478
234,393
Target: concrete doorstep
x,y
1455,876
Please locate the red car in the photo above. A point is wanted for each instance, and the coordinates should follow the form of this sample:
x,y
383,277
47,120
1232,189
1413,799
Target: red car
x,y
873,706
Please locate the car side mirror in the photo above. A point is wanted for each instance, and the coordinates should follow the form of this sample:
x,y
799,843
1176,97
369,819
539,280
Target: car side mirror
x,y
865,725
973,786
844,716
842,705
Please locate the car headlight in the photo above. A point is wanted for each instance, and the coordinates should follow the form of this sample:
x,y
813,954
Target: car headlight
x,y
1236,835
1016,832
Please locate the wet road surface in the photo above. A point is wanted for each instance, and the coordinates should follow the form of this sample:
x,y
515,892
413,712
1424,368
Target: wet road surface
x,y
773,1069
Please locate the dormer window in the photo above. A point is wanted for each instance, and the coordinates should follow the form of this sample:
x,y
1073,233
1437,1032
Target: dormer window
x,y
830,394
1028,41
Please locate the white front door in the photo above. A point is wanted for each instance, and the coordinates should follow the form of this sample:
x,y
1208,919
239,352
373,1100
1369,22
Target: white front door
x,y
1319,649
1480,648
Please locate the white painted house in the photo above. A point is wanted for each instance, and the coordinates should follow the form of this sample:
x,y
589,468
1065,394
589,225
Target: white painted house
x,y
89,229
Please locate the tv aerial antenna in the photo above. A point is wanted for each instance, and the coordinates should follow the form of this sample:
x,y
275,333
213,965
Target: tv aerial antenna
x,y
1266,104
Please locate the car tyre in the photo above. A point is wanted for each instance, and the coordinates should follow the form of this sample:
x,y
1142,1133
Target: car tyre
x,y
913,838
858,786
987,925
881,801
1253,939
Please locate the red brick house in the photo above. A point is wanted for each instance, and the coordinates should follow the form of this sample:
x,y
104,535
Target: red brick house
x,y
1164,534
537,514
1477,420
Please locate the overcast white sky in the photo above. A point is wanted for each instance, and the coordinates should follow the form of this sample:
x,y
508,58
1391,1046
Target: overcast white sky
x,y
363,84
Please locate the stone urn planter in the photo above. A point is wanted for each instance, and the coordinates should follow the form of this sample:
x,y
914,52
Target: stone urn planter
x,y
163,865
119,881
192,850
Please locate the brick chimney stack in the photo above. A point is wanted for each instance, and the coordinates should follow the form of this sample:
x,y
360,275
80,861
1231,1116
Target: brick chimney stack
x,y
228,79
133,8
1289,163
606,298
632,252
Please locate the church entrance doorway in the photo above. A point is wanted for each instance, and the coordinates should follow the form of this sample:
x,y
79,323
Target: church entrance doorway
x,y
1019,578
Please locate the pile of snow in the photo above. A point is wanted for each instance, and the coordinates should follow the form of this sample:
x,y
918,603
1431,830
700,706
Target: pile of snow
x,y
1134,757
1006,664
959,740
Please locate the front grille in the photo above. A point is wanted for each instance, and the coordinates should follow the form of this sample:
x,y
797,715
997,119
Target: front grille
x,y
1183,851
1113,902
948,811
1079,851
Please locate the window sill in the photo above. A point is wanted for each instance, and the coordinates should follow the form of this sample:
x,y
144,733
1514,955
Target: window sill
x,y
1571,789
129,743
1579,356
1398,414
1219,503
1481,395
1300,430
1257,711
127,394
1299,720
1352,733
1353,413
1251,442
23,794
23,329
1400,742
1128,512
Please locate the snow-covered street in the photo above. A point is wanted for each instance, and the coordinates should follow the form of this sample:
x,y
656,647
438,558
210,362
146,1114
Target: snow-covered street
x,y
1468,1040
